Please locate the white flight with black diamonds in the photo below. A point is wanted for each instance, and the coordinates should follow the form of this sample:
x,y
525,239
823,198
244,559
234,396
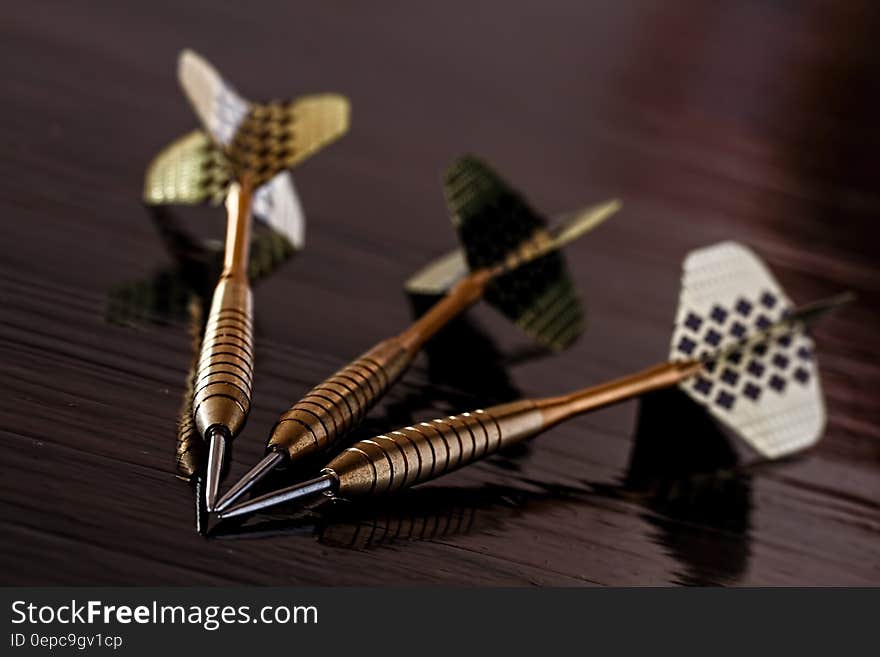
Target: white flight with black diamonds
x,y
768,392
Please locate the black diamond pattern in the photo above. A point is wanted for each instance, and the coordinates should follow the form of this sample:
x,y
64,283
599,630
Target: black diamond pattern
x,y
718,314
687,346
729,376
693,322
746,380
777,383
725,400
752,391
756,369
743,307
768,300
703,385
713,337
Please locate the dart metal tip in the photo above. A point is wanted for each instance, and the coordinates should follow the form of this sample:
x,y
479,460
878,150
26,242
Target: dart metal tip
x,y
254,475
216,461
326,482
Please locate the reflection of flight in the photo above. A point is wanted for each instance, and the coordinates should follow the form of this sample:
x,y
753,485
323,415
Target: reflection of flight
x,y
685,471
166,296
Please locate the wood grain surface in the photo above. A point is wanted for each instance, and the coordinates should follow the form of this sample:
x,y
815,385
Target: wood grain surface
x,y
753,121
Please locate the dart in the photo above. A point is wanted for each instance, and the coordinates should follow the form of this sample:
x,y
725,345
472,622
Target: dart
x,y
254,143
513,261
738,348
190,171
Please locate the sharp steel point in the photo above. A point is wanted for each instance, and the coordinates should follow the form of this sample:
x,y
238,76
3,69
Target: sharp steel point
x,y
320,484
216,456
255,474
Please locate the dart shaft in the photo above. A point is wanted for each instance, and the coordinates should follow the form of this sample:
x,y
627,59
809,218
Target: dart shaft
x,y
663,375
462,296
428,450
238,232
222,391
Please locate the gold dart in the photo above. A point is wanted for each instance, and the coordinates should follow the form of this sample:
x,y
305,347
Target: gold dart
x,y
738,349
183,290
258,141
514,264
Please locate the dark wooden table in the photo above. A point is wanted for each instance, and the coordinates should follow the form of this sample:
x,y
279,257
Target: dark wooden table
x,y
753,121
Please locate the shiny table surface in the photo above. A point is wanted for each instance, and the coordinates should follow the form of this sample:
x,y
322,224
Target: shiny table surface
x,y
750,121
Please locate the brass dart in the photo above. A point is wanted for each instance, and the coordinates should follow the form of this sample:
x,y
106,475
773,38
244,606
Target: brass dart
x,y
513,263
193,170
257,141
738,348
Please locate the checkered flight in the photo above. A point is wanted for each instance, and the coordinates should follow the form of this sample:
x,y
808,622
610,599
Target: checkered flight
x,y
192,170
240,138
493,221
260,140
766,390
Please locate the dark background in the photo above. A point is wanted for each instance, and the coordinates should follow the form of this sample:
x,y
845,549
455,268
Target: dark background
x,y
753,121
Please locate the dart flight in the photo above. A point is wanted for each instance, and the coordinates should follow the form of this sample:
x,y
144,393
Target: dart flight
x,y
253,143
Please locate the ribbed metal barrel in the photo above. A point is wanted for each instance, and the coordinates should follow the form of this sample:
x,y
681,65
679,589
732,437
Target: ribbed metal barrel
x,y
430,449
223,386
332,408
